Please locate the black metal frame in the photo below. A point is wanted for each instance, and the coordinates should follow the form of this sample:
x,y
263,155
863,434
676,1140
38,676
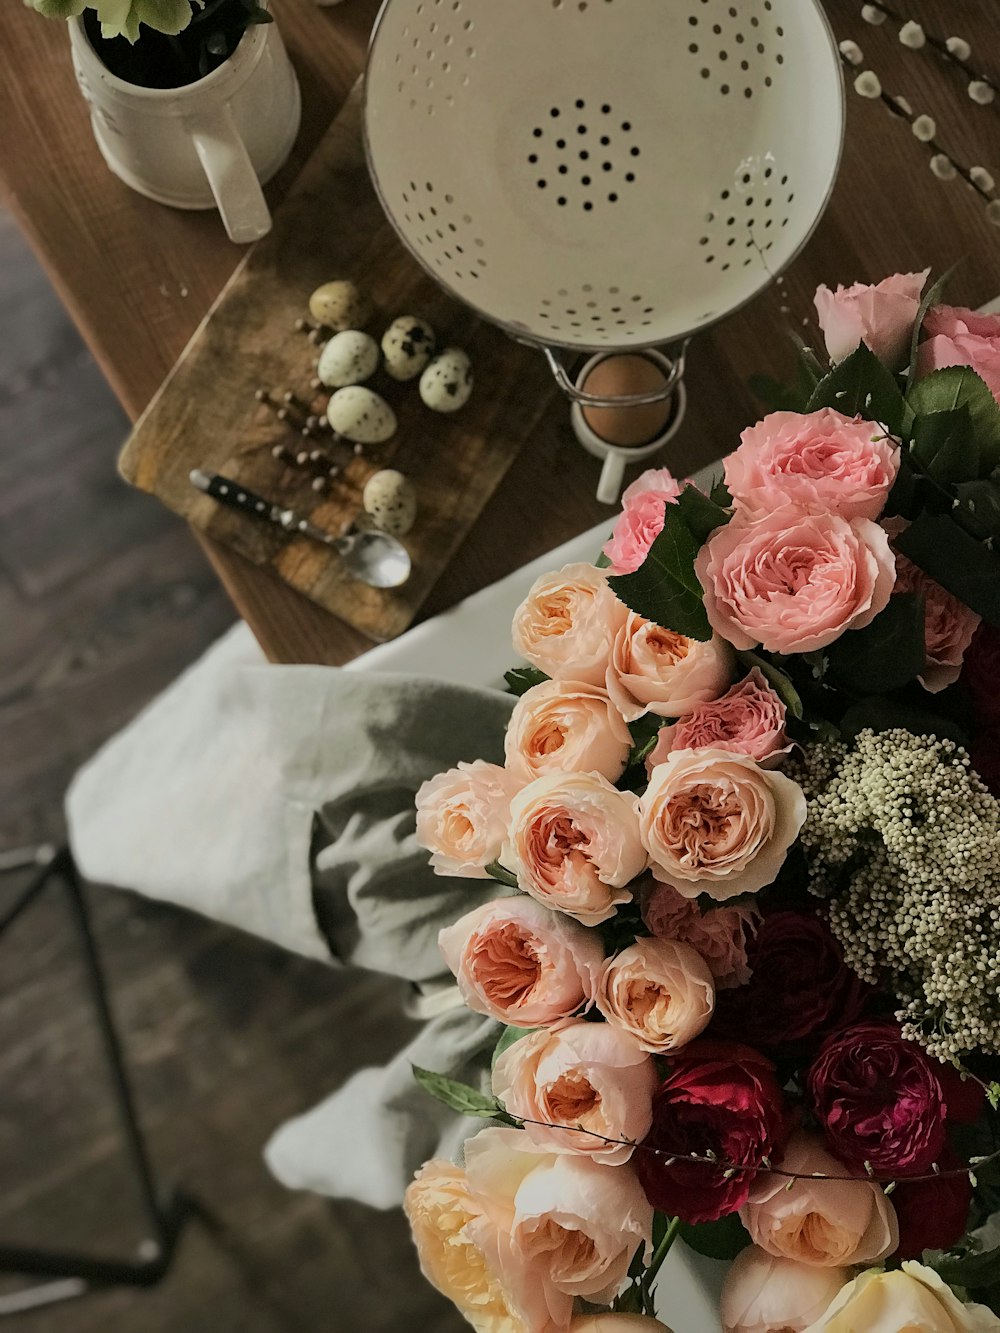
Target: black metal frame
x,y
70,1273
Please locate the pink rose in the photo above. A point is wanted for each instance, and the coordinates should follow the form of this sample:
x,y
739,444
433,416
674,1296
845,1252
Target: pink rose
x,y
821,461
462,818
654,670
564,726
954,336
949,626
719,934
659,992
574,844
559,1227
566,624
522,964
641,519
881,316
586,1075
832,1223
748,719
764,1294
794,582
717,823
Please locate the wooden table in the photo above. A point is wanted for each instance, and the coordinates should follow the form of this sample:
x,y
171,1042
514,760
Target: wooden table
x,y
138,278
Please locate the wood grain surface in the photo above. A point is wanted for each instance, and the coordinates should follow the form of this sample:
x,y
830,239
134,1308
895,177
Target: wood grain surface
x,y
139,278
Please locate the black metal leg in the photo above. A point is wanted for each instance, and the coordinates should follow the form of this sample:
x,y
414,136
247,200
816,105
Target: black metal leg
x,y
73,1274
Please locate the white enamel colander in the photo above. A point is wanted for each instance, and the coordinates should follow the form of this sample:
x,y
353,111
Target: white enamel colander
x,y
603,175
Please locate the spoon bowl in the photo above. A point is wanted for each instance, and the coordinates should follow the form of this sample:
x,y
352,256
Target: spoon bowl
x,y
375,558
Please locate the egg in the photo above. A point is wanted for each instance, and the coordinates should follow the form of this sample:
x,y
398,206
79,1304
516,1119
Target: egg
x,y
616,377
360,415
390,502
339,305
407,345
348,358
446,383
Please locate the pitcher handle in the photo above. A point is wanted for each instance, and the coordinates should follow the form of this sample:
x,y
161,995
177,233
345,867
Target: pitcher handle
x,y
663,391
231,175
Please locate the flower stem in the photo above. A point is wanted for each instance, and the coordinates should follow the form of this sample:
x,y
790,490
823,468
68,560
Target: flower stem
x,y
660,1253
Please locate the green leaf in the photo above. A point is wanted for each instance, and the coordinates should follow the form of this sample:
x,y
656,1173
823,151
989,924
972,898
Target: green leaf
x,y
701,514
507,1038
602,561
971,1270
885,654
458,1096
665,588
501,874
522,679
978,508
720,493
932,295
959,386
861,385
945,447
775,396
881,714
716,1240
779,681
957,561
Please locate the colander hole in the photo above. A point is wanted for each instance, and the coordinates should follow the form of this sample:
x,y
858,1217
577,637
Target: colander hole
x,y
755,22
537,133
532,157
605,110
706,73
725,266
561,201
587,206
542,184
760,48
780,31
554,113
605,166
725,194
744,65
591,305
612,198
740,39
560,143
605,141
716,28
614,290
702,240
570,312
768,81
693,21
767,175
563,168
584,155
580,104
587,287
779,59
584,180
479,240
723,55
784,180
724,89
630,176
581,129
634,152
466,219
626,126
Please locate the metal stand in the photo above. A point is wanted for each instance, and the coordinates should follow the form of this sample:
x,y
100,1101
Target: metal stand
x,y
73,1274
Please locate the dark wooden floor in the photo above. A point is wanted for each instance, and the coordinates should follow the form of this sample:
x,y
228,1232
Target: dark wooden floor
x,y
103,599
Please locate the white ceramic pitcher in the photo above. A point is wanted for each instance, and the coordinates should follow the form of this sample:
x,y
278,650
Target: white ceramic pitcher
x,y
208,144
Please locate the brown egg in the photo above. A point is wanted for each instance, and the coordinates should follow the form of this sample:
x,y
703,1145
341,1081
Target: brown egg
x,y
618,376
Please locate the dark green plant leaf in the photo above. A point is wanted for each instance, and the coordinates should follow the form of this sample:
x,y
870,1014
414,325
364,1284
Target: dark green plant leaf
x,y
602,561
507,1038
881,714
665,589
720,493
885,654
861,385
458,1096
775,396
932,296
958,386
501,874
944,445
716,1240
971,1270
956,560
978,509
522,679
701,514
259,15
216,44
779,681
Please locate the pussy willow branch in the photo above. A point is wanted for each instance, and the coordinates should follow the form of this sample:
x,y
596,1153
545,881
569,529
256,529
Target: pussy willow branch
x,y
940,46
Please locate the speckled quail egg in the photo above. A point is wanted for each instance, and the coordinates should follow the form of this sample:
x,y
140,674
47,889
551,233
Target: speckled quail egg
x,y
407,345
360,415
348,358
390,502
446,384
339,305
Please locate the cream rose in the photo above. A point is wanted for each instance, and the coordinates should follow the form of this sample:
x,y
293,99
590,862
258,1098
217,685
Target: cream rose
x,y
516,961
462,818
564,726
717,823
833,1223
617,1323
574,844
559,1227
909,1298
654,670
566,624
587,1075
659,992
763,1294
440,1209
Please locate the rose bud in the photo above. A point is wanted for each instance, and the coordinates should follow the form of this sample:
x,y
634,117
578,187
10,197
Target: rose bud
x,y
641,519
881,315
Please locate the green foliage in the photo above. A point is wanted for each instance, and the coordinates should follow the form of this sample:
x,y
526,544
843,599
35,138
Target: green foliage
x,y
932,296
665,589
775,396
507,1038
944,391
861,385
978,508
501,874
716,1240
885,654
701,513
956,560
522,679
878,713
971,1271
461,1097
944,445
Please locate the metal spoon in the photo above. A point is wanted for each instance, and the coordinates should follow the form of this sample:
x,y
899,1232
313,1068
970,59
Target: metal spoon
x,y
374,558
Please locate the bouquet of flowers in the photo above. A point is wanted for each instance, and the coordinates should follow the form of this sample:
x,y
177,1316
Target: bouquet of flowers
x,y
747,950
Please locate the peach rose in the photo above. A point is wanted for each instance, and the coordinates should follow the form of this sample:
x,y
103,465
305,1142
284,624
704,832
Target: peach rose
x,y
762,1294
881,316
748,719
440,1209
794,582
659,992
565,726
560,1227
654,670
820,461
955,336
462,818
567,622
516,961
585,1074
717,823
909,1298
617,1323
719,934
641,519
574,844
949,626
833,1223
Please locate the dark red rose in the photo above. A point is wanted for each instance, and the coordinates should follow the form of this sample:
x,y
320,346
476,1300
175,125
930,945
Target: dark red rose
x,y
964,1098
879,1100
985,754
981,673
801,987
720,1098
932,1213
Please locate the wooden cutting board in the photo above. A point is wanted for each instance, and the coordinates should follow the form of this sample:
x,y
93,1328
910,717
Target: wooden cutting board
x,y
205,415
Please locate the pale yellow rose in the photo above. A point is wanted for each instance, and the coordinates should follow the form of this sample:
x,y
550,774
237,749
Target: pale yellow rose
x,y
441,1211
911,1299
462,817
764,1294
659,992
655,670
566,624
617,1323
564,726
830,1222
